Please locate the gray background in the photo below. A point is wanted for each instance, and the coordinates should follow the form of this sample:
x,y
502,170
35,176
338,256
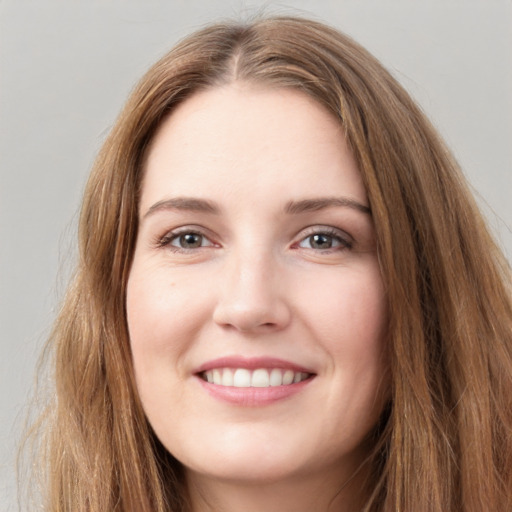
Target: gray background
x,y
67,66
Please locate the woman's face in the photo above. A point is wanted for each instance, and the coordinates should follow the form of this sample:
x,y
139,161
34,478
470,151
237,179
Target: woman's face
x,y
255,304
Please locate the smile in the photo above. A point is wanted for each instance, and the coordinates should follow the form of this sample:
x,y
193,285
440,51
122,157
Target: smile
x,y
253,381
257,378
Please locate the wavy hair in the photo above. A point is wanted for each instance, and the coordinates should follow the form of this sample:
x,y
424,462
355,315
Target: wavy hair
x,y
445,441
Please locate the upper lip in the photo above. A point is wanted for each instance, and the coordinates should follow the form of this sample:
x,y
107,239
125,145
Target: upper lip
x,y
251,363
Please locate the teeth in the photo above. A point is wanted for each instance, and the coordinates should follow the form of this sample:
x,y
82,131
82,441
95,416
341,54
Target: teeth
x,y
227,377
288,377
276,377
259,378
296,377
241,379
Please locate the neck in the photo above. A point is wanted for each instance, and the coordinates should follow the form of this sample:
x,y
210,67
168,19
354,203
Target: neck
x,y
335,492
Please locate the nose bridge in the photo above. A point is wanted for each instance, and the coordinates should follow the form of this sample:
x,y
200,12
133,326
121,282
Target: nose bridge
x,y
252,264
251,298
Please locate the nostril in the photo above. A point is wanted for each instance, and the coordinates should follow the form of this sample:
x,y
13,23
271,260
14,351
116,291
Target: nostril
x,y
251,310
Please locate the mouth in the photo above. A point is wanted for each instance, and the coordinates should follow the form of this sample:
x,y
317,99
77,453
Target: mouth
x,y
255,381
254,378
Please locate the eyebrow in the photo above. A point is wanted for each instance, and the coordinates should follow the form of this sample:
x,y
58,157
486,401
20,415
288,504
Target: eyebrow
x,y
194,204
315,204
191,204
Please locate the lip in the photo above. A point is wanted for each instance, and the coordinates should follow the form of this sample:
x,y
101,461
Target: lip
x,y
251,363
252,396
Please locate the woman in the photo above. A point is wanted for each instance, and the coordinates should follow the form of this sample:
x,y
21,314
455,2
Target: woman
x,y
286,298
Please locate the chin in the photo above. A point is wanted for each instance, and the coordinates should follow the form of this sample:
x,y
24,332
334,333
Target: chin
x,y
250,457
249,470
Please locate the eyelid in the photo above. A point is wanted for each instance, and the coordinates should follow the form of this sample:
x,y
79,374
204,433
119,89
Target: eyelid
x,y
178,237
345,238
164,241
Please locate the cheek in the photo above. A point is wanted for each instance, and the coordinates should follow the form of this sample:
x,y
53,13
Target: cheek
x,y
160,327
157,323
160,309
350,313
351,326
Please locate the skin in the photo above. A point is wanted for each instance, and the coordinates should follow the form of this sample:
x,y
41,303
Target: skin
x,y
257,284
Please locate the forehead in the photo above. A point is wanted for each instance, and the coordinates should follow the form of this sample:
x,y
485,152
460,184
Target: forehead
x,y
241,135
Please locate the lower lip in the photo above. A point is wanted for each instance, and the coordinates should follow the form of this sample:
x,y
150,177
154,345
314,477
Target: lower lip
x,y
253,397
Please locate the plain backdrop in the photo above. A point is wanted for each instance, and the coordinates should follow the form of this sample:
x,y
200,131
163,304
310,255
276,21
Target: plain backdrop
x,y
66,68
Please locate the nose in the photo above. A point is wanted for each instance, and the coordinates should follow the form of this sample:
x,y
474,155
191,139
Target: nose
x,y
252,296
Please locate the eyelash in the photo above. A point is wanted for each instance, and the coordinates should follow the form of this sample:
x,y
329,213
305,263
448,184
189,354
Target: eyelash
x,y
328,232
168,238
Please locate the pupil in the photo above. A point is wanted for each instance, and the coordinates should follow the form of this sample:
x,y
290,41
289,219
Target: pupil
x,y
321,242
190,240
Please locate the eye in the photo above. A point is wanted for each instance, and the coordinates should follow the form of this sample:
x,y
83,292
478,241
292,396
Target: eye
x,y
185,240
325,240
189,241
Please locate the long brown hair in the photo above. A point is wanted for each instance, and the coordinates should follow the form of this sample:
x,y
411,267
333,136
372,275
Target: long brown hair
x,y
445,441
